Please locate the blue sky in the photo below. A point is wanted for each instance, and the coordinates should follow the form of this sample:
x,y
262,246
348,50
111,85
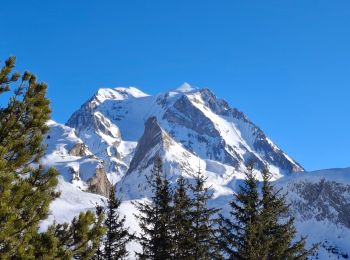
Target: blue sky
x,y
286,64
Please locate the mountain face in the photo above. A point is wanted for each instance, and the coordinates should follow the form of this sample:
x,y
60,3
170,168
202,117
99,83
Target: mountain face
x,y
113,121
115,136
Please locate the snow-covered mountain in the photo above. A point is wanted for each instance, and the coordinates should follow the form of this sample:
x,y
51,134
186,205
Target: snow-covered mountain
x,y
115,136
113,122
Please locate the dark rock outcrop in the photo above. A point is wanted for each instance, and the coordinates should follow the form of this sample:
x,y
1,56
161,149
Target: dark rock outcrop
x,y
153,137
79,149
99,184
323,200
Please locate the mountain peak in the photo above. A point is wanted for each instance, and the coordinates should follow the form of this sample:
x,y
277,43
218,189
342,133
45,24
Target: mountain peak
x,y
120,93
131,91
184,88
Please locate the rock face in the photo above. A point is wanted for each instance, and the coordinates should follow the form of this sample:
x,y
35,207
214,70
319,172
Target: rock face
x,y
99,183
155,142
203,130
153,139
324,200
320,203
321,195
79,149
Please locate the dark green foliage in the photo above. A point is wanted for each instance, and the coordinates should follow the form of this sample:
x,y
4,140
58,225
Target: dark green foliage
x,y
277,236
258,227
25,190
239,234
155,218
117,236
47,246
99,252
177,225
182,221
80,239
203,221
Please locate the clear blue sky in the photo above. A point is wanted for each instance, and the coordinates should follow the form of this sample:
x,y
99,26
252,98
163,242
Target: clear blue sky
x,y
286,64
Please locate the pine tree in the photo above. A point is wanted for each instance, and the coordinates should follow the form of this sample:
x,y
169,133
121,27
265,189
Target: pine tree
x,y
26,189
81,238
203,221
257,228
181,220
99,252
278,231
117,235
155,218
239,233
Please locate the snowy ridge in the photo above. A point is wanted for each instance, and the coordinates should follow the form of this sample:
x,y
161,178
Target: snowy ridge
x,y
120,93
321,205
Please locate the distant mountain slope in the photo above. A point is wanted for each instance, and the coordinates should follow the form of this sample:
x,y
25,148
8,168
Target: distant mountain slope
x,y
320,202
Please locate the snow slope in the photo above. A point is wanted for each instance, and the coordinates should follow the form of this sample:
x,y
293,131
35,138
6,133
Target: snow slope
x,y
73,201
73,159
